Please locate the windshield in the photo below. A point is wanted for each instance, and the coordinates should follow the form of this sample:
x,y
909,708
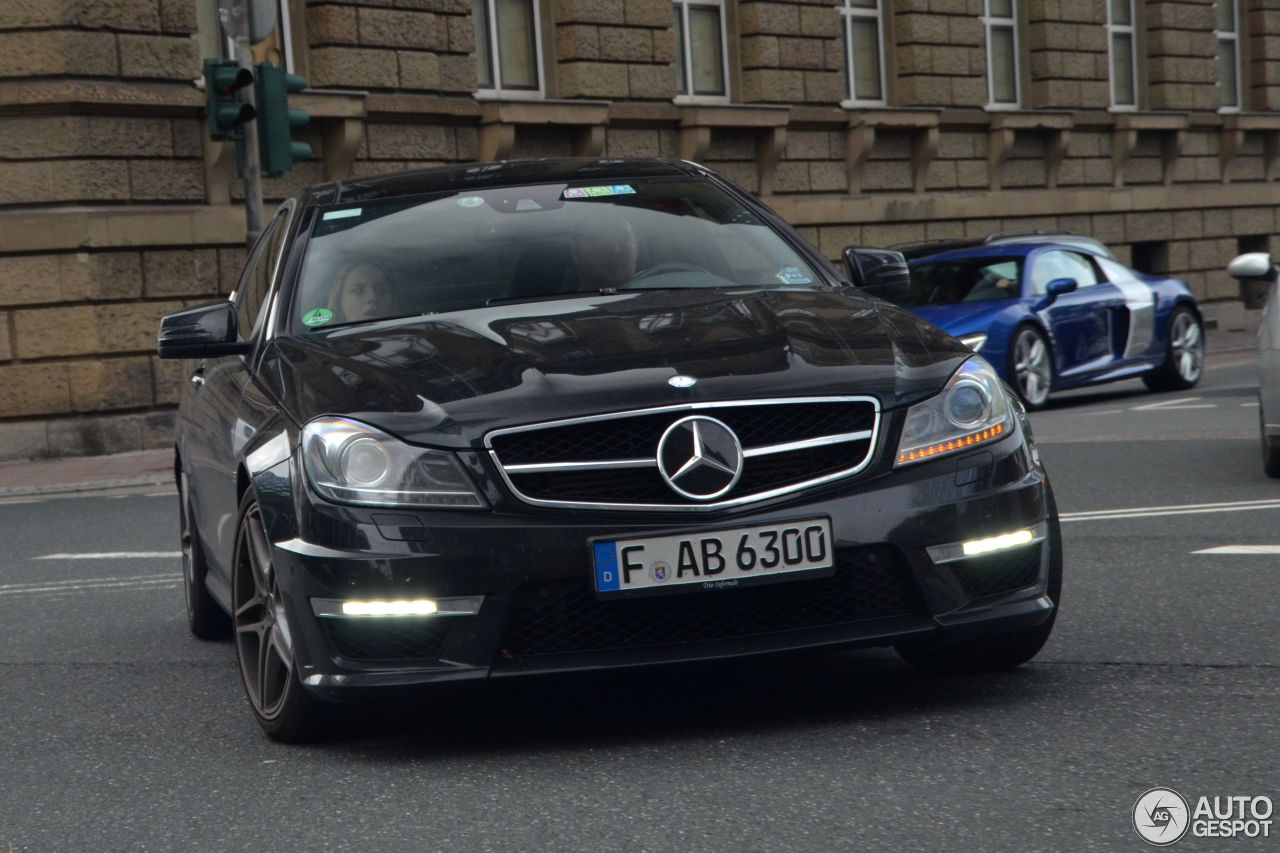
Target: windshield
x,y
968,280
464,250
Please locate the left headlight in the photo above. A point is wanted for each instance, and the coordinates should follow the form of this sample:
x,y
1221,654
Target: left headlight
x,y
351,462
972,409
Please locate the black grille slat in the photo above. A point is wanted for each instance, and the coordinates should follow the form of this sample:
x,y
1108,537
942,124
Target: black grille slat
x,y
999,573
565,617
636,436
388,638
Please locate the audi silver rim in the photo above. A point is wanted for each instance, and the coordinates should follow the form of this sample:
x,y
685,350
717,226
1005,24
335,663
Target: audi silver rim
x,y
1188,347
262,630
1031,365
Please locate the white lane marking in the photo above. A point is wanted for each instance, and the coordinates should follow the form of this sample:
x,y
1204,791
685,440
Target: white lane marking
x,y
160,494
139,582
15,503
115,555
1157,511
1240,549
1252,405
1180,403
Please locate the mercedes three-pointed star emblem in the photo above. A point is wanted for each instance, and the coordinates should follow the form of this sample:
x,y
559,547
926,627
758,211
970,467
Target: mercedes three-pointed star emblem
x,y
700,458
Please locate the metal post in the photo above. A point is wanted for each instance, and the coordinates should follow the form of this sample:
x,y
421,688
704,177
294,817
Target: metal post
x,y
252,170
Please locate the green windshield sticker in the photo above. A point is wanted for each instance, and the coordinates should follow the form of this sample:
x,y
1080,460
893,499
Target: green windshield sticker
x,y
317,317
597,192
343,214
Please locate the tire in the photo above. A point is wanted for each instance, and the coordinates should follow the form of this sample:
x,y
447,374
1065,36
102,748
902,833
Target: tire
x,y
1031,366
1000,651
1183,354
1270,450
264,653
205,617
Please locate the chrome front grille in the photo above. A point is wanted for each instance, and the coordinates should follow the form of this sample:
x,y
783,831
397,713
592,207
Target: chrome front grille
x,y
610,461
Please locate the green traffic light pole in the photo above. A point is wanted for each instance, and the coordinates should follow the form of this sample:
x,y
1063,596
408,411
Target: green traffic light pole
x,y
252,172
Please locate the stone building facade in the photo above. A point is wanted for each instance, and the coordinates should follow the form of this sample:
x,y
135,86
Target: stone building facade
x,y
1151,125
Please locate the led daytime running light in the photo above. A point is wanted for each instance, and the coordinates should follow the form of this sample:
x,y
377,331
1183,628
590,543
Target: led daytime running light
x,y
954,444
998,543
415,607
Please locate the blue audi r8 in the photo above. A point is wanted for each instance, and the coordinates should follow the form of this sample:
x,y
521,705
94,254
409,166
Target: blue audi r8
x,y
1055,312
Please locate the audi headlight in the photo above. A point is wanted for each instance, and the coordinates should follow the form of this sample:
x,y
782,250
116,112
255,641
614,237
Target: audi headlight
x,y
351,462
972,409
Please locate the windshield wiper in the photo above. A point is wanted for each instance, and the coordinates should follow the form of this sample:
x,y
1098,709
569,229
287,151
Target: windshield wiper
x,y
347,323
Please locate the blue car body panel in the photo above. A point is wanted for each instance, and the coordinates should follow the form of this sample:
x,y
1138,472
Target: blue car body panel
x,y
1098,333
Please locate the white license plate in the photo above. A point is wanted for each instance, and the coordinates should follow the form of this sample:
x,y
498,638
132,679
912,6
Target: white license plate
x,y
715,558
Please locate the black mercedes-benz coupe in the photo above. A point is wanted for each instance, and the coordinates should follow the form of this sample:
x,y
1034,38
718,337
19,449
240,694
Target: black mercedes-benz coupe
x,y
532,417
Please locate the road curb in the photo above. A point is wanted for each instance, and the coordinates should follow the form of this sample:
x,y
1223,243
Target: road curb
x,y
85,487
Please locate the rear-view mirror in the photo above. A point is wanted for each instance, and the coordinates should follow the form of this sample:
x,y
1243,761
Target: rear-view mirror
x,y
203,332
880,272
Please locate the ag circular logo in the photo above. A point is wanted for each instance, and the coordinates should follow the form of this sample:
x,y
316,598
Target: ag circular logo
x,y
699,458
1161,816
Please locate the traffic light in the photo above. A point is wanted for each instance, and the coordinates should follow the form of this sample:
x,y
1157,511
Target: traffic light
x,y
227,115
276,120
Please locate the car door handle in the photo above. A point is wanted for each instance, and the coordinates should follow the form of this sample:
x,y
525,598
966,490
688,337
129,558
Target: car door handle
x,y
197,376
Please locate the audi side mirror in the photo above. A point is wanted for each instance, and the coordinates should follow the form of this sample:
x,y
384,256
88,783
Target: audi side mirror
x,y
1061,287
880,272
203,332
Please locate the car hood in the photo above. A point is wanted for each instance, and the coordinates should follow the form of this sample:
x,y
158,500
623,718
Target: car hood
x,y
447,379
965,317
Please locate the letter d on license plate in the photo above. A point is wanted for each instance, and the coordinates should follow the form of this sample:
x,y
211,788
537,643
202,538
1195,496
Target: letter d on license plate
x,y
714,559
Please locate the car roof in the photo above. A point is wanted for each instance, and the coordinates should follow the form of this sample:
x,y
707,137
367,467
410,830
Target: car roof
x,y
503,173
1034,238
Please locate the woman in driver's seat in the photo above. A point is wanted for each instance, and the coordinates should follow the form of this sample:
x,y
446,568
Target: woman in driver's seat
x,y
361,291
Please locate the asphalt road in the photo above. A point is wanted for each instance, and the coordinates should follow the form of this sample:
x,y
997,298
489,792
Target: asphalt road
x,y
119,731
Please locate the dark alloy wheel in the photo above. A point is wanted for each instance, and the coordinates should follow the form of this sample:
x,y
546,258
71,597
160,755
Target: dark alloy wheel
x,y
264,645
205,617
1270,446
1183,355
1031,366
999,651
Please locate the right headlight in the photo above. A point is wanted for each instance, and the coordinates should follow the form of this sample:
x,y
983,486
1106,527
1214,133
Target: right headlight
x,y
351,462
972,409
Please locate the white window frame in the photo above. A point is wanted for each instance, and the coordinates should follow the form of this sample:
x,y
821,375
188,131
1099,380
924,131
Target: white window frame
x,y
686,49
497,92
847,13
989,24
1131,30
1232,36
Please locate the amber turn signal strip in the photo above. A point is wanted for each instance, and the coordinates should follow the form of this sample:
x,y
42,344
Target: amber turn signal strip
x,y
954,444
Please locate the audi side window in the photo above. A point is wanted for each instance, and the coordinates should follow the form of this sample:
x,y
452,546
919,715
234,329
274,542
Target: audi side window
x,y
1058,264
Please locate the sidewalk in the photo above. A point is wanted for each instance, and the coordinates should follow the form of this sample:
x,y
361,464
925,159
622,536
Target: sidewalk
x,y
155,467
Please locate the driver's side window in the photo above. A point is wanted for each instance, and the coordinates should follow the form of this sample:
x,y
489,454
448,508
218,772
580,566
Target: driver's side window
x,y
1058,264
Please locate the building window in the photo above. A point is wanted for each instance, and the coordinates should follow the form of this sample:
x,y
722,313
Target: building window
x,y
862,37
1123,46
1002,53
701,67
508,49
270,40
1229,54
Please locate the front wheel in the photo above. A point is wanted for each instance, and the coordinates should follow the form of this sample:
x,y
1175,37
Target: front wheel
x,y
264,642
1183,355
1031,366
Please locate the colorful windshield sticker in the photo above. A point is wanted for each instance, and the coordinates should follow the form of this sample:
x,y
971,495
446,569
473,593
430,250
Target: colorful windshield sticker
x,y
343,214
598,192
470,201
793,275
317,317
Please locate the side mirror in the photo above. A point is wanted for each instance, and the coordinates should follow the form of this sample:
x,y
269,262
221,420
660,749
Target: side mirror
x,y
203,332
1252,265
1060,286
880,272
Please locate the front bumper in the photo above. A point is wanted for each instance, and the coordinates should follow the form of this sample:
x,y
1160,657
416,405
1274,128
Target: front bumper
x,y
538,612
